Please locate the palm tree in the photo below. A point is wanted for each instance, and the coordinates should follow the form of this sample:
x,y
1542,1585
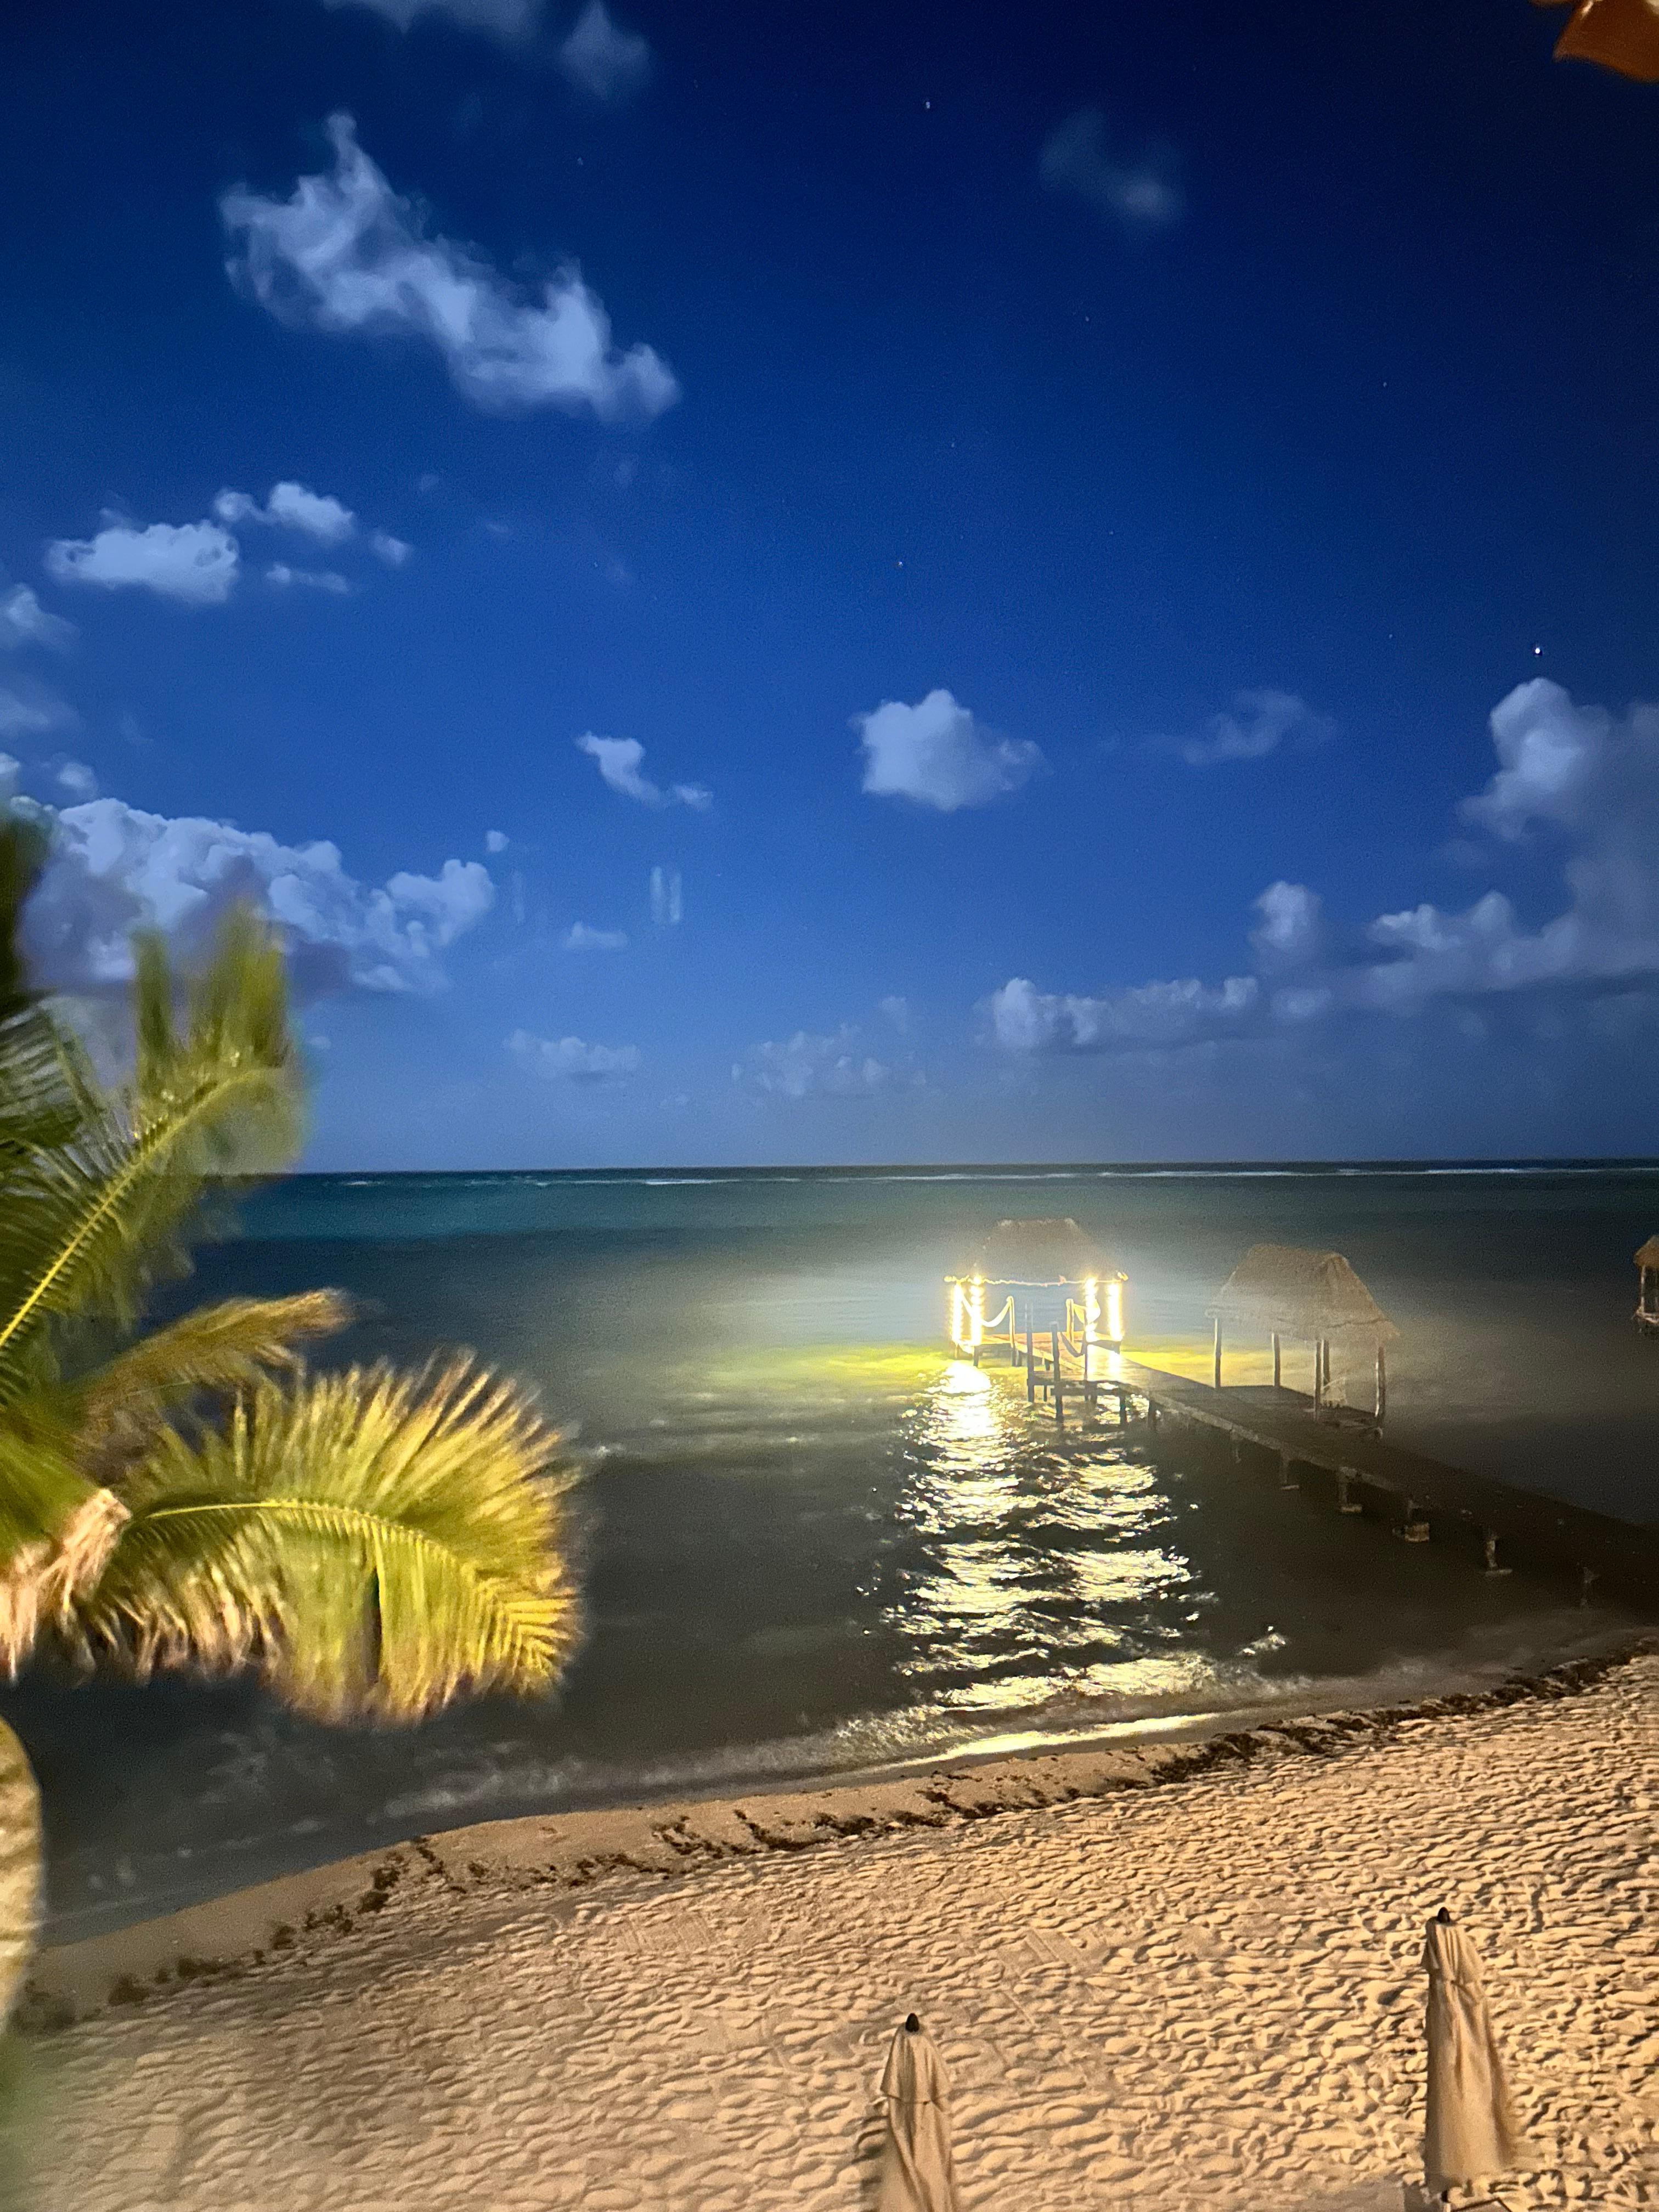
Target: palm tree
x,y
369,1543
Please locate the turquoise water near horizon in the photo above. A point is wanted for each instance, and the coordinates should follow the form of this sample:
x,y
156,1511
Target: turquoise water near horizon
x,y
812,1543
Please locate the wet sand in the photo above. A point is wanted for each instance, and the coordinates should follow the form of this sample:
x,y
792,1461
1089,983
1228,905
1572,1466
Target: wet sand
x,y
1178,1976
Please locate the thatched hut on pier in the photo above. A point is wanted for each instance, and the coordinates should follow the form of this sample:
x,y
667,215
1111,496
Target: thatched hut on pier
x,y
1279,1290
1037,1275
1647,1288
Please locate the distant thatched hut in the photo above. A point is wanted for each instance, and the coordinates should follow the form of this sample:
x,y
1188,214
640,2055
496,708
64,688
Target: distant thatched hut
x,y
1647,1288
1280,1290
1041,1274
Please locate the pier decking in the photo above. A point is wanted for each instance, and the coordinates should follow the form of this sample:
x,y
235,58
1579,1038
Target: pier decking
x,y
1424,1499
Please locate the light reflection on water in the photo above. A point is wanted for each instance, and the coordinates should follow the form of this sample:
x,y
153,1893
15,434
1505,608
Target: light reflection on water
x,y
1034,1562
812,1543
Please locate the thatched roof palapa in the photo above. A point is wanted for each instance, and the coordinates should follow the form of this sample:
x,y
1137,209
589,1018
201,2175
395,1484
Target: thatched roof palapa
x,y
1283,1290
1039,1253
1649,1254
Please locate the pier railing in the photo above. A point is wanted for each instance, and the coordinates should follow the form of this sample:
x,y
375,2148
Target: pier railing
x,y
1339,1450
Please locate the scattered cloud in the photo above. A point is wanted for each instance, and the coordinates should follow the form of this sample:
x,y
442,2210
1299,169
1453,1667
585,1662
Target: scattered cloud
x,y
511,21
24,620
803,1064
114,868
938,754
394,552
569,1060
291,507
1024,1019
496,840
620,765
1576,780
345,253
195,563
1260,722
1139,194
314,580
602,59
896,1013
579,937
1291,931
28,709
77,779
667,905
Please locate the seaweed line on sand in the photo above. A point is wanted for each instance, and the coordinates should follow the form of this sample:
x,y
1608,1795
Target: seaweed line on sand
x,y
229,1937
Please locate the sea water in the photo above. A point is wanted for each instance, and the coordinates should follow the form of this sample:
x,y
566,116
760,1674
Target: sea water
x,y
811,1542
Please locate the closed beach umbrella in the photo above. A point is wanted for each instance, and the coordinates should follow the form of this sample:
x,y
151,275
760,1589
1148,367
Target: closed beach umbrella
x,y
918,2173
1471,2133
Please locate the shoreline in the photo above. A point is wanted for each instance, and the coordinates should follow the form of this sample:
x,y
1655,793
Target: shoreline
x,y
650,1841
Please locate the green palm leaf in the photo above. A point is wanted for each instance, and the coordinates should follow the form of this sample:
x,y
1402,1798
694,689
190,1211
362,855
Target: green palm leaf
x,y
89,1222
215,1351
371,1543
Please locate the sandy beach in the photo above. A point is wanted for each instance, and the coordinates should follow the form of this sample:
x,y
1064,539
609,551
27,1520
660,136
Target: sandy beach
x,y
1180,1976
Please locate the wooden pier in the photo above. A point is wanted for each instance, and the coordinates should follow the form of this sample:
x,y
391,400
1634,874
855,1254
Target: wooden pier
x,y
1423,1500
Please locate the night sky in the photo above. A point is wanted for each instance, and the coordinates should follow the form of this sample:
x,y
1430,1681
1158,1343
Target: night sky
x,y
915,582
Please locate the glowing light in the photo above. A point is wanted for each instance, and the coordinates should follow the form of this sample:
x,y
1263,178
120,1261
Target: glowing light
x,y
959,1311
976,1312
1114,1310
1091,1311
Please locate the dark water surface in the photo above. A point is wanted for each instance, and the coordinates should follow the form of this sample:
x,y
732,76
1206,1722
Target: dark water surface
x,y
811,1543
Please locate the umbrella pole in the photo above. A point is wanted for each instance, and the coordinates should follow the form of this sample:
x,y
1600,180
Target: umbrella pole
x,y
1319,1374
1382,1386
1217,1352
1276,1362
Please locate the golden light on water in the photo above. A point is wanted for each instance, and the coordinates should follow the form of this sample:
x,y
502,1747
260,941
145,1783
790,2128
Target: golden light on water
x,y
1031,1554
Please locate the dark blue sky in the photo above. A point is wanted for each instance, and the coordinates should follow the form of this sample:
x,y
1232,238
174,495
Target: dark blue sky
x,y
1049,476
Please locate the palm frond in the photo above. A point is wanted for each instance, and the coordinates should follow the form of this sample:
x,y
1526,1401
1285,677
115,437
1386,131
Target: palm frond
x,y
46,1087
372,1543
216,1351
41,1486
19,1866
24,846
88,1224
43,1581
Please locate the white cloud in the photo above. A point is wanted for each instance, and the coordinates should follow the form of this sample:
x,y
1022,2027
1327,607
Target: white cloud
x,y
346,253
1292,929
619,760
938,754
24,620
292,506
496,840
394,552
1146,1017
569,1060
509,21
1583,779
314,580
667,905
28,709
194,563
78,780
1141,194
896,1011
1261,723
835,1066
579,937
114,868
603,59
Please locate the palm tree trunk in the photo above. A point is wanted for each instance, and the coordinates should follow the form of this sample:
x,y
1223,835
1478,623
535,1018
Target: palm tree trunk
x,y
20,1868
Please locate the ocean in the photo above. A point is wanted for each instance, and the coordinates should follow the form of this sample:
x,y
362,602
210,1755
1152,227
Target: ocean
x,y
811,1543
